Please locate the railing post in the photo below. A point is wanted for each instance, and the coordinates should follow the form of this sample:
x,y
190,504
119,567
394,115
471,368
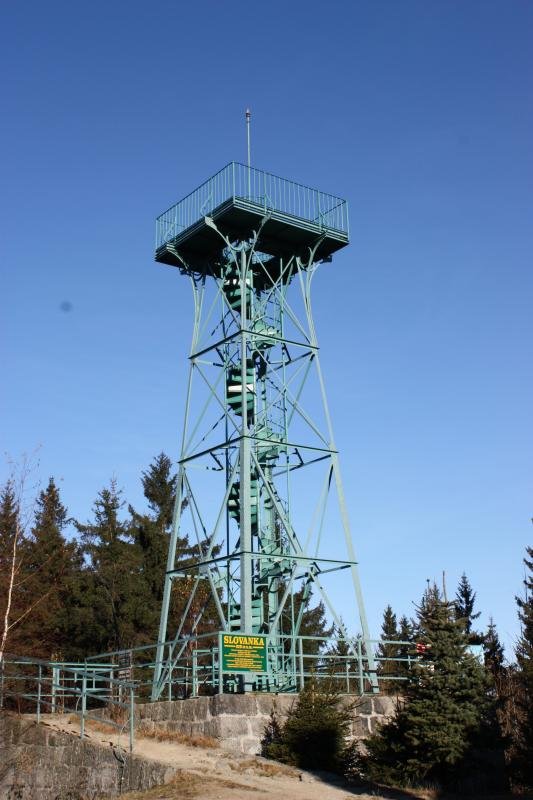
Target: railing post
x,y
194,673
347,669
132,717
220,671
39,693
360,660
53,690
345,211
301,660
83,704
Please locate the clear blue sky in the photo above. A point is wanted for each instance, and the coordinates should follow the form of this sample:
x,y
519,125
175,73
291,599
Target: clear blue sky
x,y
419,112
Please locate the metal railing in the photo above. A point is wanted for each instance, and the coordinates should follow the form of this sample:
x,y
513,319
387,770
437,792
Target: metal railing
x,y
257,190
89,691
101,690
193,666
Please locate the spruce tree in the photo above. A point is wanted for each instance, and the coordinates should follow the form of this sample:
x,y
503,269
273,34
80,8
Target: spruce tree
x,y
387,653
493,652
118,593
314,734
465,599
406,633
523,758
447,717
151,533
50,561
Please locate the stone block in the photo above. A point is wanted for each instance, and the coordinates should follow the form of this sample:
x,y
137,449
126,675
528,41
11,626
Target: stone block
x,y
375,722
231,726
231,745
212,727
200,707
364,706
234,704
384,704
258,725
282,703
360,727
249,746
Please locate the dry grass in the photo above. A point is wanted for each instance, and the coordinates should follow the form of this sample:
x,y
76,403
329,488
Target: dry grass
x,y
94,725
266,769
148,733
177,738
184,786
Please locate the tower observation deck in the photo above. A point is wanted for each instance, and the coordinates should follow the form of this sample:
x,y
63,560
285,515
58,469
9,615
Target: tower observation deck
x,y
237,199
259,488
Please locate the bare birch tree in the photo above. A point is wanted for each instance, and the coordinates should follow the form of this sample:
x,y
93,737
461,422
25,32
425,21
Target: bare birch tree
x,y
17,515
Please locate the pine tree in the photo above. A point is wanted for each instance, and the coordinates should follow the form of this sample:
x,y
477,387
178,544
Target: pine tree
x,y
118,593
448,716
50,561
387,653
315,731
406,633
465,599
152,531
523,758
493,652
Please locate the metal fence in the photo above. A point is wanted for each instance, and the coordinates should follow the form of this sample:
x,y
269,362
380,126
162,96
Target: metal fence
x,y
88,691
259,191
193,666
103,690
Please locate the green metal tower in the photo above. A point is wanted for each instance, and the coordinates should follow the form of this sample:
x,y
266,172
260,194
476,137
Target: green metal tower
x,y
258,455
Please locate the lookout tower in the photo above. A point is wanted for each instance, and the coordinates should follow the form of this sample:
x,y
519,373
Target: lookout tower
x,y
259,484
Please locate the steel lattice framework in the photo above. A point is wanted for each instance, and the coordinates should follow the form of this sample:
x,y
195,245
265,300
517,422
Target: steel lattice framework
x,y
258,454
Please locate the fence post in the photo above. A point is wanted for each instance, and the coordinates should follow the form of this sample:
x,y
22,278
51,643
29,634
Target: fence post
x,y
301,660
132,717
39,693
360,660
53,689
347,665
194,673
83,704
220,671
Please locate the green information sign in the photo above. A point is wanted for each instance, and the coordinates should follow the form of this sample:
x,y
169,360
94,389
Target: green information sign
x,y
242,653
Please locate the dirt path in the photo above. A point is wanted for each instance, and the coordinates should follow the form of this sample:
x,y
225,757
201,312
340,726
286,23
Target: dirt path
x,y
212,774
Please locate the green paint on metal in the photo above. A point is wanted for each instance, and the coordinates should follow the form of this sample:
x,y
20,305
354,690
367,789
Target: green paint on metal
x,y
250,243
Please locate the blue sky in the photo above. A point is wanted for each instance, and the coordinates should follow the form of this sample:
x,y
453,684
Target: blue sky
x,y
420,114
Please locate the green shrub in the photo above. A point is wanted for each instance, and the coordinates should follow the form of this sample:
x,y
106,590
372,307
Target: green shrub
x,y
315,731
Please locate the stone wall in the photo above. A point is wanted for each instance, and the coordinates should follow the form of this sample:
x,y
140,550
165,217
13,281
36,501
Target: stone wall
x,y
238,721
39,763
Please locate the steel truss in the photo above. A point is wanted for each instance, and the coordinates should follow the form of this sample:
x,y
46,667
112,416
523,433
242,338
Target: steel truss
x,y
261,423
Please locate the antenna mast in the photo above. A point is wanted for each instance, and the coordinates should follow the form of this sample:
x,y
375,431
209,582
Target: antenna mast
x,y
248,115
